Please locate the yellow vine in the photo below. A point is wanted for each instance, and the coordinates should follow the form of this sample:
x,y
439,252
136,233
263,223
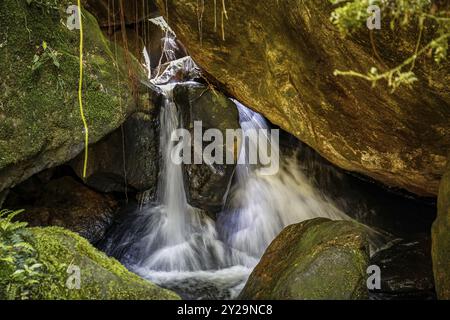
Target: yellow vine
x,y
80,95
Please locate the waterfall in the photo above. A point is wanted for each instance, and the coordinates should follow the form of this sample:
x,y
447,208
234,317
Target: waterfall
x,y
179,247
260,206
177,237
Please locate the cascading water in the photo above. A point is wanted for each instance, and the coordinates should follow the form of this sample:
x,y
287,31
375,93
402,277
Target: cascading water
x,y
181,248
260,206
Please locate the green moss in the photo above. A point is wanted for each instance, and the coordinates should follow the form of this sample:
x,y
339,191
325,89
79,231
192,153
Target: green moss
x,y
101,277
41,105
317,259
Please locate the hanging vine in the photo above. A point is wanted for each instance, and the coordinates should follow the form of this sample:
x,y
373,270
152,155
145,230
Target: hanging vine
x,y
200,15
80,95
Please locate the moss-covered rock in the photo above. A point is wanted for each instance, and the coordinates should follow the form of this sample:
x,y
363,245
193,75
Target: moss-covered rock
x,y
40,123
101,277
278,58
441,240
316,259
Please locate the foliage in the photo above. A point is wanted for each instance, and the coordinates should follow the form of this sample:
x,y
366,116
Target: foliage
x,y
350,16
18,261
21,272
44,54
34,261
47,5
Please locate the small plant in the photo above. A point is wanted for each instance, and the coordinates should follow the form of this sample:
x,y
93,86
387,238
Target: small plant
x,y
43,55
350,16
21,272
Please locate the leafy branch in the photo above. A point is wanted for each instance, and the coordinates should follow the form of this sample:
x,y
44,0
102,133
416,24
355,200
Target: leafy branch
x,y
351,14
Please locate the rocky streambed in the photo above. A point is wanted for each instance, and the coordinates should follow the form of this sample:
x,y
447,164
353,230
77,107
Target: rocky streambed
x,y
362,171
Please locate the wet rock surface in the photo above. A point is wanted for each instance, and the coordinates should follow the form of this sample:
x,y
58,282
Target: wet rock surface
x,y
316,259
207,185
406,271
67,203
279,61
127,160
441,240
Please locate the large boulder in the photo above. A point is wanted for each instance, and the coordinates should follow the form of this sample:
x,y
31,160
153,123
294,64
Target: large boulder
x,y
207,185
66,203
40,122
278,58
127,159
317,259
441,240
62,254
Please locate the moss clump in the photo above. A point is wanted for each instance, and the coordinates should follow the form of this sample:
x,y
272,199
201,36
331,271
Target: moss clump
x,y
101,277
317,259
39,114
40,263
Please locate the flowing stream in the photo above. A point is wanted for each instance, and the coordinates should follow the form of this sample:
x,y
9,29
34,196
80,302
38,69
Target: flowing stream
x,y
179,247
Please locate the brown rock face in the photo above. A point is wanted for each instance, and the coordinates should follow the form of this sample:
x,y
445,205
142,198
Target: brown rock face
x,y
278,58
441,240
66,203
108,12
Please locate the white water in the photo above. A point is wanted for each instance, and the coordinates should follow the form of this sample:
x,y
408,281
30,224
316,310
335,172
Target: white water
x,y
178,236
260,206
180,247
186,251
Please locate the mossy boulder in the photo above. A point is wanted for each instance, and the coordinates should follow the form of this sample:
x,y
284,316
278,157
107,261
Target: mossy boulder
x,y
40,122
101,277
441,240
318,259
278,58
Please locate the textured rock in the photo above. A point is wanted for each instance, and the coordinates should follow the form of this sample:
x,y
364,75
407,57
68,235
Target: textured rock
x,y
406,271
108,11
207,185
126,160
278,58
441,240
102,278
40,123
66,203
317,259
